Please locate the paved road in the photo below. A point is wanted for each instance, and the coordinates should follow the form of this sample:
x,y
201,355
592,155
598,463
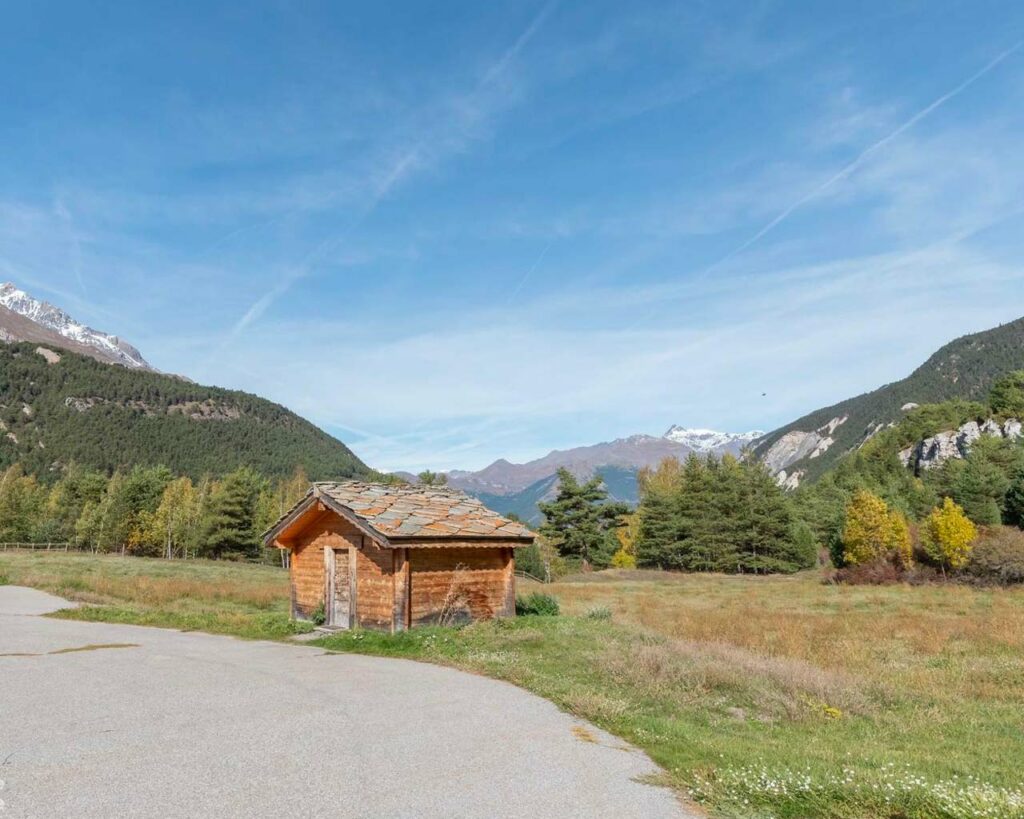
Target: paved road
x,y
103,720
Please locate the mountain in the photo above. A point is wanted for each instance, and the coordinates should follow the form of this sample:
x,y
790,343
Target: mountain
x,y
964,369
707,441
25,318
620,482
58,407
508,487
62,402
634,452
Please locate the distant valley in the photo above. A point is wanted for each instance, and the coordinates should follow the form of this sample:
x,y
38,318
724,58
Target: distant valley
x,y
509,487
796,453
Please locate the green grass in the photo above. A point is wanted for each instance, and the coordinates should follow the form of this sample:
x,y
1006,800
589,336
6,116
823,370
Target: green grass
x,y
758,696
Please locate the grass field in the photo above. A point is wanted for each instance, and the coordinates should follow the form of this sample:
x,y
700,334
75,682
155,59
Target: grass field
x,y
758,696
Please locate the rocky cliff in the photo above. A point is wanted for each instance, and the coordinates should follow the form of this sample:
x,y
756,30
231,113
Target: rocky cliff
x,y
963,369
956,443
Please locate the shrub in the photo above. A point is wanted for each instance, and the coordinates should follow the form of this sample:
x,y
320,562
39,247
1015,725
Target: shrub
x,y
623,560
998,557
884,572
319,615
537,603
873,532
947,535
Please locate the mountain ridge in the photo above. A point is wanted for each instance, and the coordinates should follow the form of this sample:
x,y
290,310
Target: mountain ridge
x,y
62,402
24,317
502,477
963,368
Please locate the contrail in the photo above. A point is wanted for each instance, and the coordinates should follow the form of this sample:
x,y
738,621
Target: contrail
x,y
531,271
405,165
849,168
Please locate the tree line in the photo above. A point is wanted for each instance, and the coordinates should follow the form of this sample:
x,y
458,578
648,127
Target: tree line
x,y
704,514
147,511
730,515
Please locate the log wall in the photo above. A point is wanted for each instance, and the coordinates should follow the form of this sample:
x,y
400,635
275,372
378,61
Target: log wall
x,y
457,585
375,587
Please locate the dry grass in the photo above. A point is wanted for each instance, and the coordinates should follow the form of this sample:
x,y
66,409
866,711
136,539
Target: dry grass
x,y
245,600
766,696
830,642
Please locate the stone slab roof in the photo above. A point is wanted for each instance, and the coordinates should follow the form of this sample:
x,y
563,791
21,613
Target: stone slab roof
x,y
415,511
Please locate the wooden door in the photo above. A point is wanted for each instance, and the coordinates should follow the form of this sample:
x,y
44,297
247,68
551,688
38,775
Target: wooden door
x,y
339,588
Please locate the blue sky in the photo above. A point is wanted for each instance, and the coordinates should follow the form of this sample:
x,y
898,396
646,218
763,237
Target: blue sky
x,y
452,232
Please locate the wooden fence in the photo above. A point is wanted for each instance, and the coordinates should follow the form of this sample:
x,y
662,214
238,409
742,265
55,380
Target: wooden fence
x,y
44,547
270,556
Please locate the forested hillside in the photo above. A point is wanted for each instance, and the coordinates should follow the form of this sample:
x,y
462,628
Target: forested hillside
x,y
963,369
58,408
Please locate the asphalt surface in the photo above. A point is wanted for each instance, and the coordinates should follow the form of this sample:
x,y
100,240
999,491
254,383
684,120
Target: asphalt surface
x,y
102,720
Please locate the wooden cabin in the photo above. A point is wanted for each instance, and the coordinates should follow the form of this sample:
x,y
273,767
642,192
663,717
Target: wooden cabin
x,y
392,557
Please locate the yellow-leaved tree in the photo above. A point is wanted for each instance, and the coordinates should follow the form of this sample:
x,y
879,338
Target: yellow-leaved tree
x,y
874,531
625,556
948,535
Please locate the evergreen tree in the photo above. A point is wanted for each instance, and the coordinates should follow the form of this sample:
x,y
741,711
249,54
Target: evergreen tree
x,y
1007,395
231,526
659,530
658,514
764,525
428,478
980,482
699,545
1015,501
580,519
726,515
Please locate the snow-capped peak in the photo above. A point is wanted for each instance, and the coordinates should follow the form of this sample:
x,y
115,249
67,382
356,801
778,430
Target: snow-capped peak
x,y
709,440
53,318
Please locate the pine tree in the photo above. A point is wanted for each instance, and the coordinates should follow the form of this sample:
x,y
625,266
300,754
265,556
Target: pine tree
x,y
1007,395
580,519
657,514
717,515
765,529
981,483
658,529
230,528
1015,501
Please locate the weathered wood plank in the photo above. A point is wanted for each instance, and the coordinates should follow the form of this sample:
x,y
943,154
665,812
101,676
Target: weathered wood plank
x,y
400,612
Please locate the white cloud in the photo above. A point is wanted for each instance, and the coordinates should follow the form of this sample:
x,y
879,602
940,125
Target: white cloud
x,y
442,398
